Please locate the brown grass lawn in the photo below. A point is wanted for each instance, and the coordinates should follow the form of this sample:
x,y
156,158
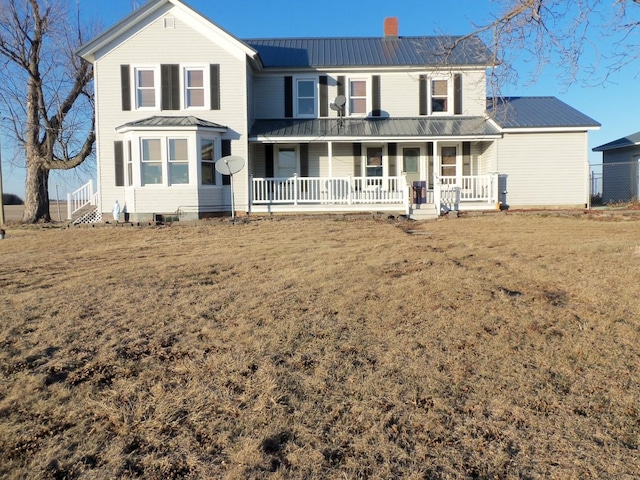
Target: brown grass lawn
x,y
498,346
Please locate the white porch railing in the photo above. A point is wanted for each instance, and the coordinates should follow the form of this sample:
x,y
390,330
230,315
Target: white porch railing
x,y
330,190
81,197
451,191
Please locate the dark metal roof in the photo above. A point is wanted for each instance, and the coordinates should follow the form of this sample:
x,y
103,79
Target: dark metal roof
x,y
378,127
375,51
624,142
158,121
536,112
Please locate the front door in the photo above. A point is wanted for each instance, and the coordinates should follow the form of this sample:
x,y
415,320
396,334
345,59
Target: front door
x,y
411,169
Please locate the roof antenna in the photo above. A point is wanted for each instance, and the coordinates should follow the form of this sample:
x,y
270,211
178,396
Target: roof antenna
x,y
338,106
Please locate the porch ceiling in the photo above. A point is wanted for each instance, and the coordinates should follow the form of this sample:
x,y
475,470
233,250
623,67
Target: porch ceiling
x,y
373,127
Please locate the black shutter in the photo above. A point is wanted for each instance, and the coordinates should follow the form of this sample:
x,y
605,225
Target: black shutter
x,y
324,96
375,96
225,152
288,97
423,90
125,87
304,159
170,81
214,85
118,156
457,94
392,153
430,164
341,85
466,158
357,159
268,160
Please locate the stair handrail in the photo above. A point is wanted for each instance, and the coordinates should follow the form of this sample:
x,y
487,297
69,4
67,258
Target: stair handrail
x,y
79,198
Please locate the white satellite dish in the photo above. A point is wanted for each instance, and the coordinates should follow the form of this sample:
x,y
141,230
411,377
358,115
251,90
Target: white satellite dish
x,y
338,106
230,165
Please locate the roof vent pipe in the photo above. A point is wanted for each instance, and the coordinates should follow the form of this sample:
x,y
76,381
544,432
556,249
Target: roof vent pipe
x,y
391,27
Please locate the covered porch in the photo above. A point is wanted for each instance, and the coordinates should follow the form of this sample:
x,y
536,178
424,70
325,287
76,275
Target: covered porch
x,y
406,165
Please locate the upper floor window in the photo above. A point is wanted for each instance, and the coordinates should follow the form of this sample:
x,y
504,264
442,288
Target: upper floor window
x,y
146,87
306,97
358,97
439,96
195,80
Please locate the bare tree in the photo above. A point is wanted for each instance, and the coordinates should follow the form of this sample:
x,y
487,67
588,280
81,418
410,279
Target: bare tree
x,y
46,93
562,33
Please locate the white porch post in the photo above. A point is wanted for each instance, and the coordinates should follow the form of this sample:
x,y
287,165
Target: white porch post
x,y
437,194
330,155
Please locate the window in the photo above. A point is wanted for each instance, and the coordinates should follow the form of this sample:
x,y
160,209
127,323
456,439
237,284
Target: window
x,y
151,161
358,97
374,162
129,165
146,91
449,159
207,161
178,161
194,87
439,96
306,97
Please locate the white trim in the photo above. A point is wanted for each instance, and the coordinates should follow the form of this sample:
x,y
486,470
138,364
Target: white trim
x,y
343,139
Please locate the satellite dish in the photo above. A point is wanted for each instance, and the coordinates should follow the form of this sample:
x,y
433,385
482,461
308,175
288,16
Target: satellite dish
x,y
334,107
340,100
230,164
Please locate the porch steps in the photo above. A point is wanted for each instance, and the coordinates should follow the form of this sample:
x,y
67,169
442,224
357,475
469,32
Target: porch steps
x,y
425,211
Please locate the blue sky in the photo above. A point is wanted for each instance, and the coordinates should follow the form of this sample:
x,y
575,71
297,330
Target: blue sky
x,y
615,105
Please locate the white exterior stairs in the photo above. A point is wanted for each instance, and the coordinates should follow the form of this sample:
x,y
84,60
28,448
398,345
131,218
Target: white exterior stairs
x,y
82,205
424,211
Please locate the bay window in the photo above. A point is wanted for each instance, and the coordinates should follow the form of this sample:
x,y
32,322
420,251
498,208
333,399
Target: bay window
x,y
178,161
151,161
207,161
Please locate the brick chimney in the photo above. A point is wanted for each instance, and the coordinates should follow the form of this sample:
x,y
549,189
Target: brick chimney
x,y
391,27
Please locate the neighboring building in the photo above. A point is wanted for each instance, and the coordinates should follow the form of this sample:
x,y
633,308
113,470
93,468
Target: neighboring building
x,y
621,169
324,124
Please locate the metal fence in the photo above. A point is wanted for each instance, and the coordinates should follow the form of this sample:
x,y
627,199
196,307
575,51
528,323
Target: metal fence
x,y
614,184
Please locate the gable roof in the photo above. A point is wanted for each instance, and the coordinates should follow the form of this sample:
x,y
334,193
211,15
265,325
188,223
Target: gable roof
x,y
88,50
324,128
624,142
536,112
374,51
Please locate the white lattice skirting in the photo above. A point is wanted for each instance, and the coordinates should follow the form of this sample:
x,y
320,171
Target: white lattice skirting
x,y
92,216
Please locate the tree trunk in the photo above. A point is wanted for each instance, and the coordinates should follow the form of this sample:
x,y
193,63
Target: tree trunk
x,y
36,203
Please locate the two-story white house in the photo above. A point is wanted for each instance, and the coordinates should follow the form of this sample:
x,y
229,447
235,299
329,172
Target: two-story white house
x,y
386,123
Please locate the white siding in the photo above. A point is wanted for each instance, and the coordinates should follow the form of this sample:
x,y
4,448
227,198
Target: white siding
x,y
399,92
544,169
154,45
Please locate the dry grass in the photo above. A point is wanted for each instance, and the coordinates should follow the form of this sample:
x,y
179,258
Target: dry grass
x,y
501,346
